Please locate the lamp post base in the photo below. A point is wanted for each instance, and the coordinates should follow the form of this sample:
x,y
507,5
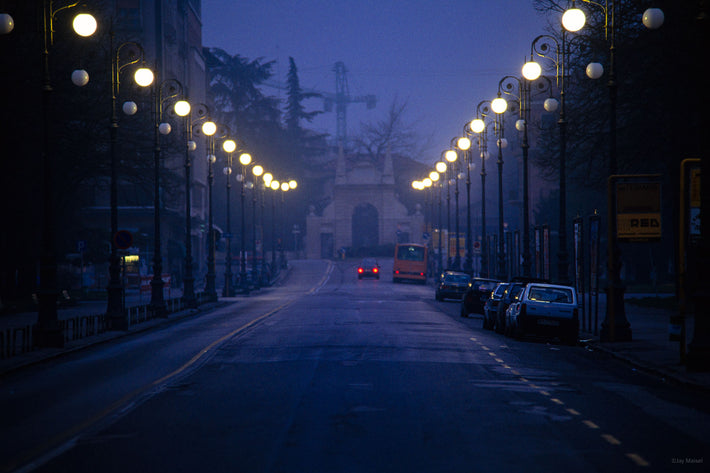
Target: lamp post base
x,y
157,303
49,335
115,313
48,330
698,357
189,293
615,327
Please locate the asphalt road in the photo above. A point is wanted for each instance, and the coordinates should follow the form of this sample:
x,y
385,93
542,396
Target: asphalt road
x,y
329,373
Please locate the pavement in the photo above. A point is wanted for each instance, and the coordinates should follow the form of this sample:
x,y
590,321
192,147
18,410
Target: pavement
x,y
650,349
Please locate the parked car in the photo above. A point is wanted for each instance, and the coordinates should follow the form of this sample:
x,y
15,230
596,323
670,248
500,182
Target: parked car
x,y
479,290
545,310
452,285
490,308
368,268
510,295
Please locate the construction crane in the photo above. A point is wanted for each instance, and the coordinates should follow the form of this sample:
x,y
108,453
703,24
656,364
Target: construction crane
x,y
340,99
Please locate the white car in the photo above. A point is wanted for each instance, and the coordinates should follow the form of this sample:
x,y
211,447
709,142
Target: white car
x,y
545,310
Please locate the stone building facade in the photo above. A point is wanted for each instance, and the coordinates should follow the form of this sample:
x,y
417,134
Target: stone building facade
x,y
364,212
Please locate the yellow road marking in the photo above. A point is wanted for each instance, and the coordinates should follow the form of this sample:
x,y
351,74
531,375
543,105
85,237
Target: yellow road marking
x,y
637,459
557,401
611,439
590,424
573,412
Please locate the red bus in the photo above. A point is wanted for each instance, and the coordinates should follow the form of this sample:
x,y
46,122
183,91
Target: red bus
x,y
410,263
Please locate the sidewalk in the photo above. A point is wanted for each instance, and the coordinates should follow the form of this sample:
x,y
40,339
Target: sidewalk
x,y
650,349
10,322
134,299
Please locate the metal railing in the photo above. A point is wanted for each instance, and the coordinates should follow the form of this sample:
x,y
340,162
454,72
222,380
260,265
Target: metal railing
x,y
18,340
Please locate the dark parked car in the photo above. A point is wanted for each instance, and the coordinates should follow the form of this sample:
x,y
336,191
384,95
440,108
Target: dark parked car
x,y
368,268
491,306
510,295
452,285
479,290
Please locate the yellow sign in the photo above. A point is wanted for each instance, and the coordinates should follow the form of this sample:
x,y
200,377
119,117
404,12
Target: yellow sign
x,y
638,210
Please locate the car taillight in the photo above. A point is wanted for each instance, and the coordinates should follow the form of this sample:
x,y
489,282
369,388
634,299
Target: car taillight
x,y
360,270
421,274
375,270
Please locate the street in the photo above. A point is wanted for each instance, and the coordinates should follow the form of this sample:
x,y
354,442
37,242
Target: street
x,y
328,373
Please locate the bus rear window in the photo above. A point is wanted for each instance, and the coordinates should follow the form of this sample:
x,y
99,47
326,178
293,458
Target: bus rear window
x,y
410,253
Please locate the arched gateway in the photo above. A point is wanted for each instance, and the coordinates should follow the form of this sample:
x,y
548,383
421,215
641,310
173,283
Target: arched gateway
x,y
364,212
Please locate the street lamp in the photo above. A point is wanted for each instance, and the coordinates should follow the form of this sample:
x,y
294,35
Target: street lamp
x,y
542,46
499,106
183,109
115,310
228,291
450,156
48,332
275,186
257,171
284,188
464,144
209,128
478,126
457,175
441,170
615,326
166,90
245,160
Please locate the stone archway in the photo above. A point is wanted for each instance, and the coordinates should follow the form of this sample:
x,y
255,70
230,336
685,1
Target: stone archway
x,y
365,226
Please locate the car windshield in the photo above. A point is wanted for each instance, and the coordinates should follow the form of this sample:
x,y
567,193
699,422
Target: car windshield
x,y
551,294
500,289
458,278
484,285
369,262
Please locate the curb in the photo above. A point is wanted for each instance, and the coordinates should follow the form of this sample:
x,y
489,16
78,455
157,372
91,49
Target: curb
x,y
664,373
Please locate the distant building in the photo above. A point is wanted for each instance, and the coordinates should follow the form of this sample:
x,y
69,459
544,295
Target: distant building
x,y
364,212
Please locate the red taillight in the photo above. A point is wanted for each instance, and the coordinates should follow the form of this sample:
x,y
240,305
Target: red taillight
x,y
396,271
360,270
421,274
375,270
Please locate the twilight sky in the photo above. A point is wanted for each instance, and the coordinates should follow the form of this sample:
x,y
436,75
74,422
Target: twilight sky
x,y
441,57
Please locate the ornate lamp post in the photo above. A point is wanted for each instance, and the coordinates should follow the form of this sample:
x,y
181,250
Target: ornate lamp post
x,y
48,332
507,85
257,171
275,186
245,160
115,312
542,46
265,273
478,126
464,144
457,175
441,170
209,129
615,326
451,156
499,106
166,90
183,109
228,291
